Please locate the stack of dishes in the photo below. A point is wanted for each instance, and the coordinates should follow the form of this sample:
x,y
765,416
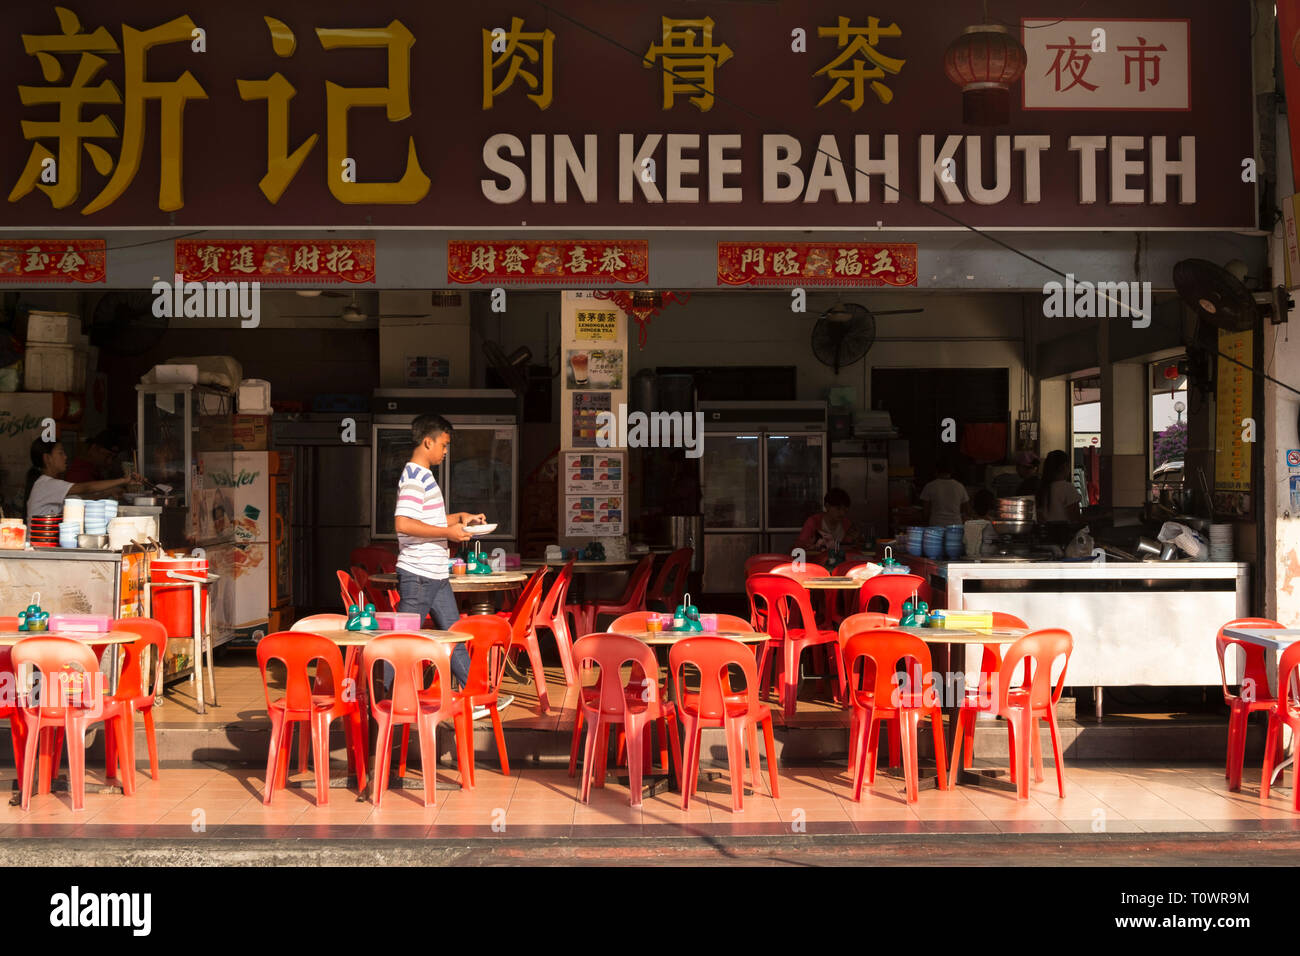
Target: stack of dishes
x,y
954,541
68,531
45,531
932,542
914,540
74,510
97,517
1221,542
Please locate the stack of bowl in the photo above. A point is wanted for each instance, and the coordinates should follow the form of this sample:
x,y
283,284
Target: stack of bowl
x,y
45,531
68,531
1014,515
97,516
914,540
1221,542
954,540
932,541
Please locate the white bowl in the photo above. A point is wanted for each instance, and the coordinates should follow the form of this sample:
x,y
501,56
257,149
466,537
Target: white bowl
x,y
479,529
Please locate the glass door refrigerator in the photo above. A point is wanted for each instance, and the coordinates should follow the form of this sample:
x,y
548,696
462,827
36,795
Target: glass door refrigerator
x,y
481,471
763,473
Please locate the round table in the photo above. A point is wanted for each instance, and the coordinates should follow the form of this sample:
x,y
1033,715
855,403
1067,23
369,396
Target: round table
x,y
668,638
583,567
470,584
345,638
838,583
10,638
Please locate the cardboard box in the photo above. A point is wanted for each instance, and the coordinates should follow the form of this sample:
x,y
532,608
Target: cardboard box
x,y
52,328
234,432
54,368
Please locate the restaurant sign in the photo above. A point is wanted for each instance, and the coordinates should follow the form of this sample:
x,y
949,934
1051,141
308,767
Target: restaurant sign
x,y
582,262
785,114
817,263
277,261
52,260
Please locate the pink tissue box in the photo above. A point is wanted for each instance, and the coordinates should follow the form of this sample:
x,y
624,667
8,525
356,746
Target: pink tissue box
x,y
90,623
397,621
512,562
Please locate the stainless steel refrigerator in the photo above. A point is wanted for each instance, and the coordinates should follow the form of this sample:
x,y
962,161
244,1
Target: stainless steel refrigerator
x,y
481,471
763,473
330,500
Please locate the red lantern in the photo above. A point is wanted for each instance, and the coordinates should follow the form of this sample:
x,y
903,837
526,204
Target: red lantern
x,y
985,61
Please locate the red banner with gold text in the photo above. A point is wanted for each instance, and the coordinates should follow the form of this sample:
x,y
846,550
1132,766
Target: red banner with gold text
x,y
817,263
52,260
276,261
589,263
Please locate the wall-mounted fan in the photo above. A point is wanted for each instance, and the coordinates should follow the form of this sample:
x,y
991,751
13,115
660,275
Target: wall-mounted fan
x,y
1219,296
844,333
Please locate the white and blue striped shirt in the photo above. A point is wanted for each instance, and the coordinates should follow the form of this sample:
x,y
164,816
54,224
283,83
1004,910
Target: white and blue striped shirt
x,y
419,497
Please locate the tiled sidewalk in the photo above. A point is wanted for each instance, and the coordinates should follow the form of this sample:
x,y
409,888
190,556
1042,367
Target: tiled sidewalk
x,y
225,803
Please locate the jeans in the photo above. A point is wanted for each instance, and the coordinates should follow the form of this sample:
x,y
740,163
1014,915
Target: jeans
x,y
421,595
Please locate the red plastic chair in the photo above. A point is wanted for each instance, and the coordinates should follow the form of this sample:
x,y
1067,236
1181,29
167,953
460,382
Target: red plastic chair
x,y
1023,706
778,594
300,704
990,665
324,683
632,599
414,703
523,635
893,589
61,707
718,705
132,691
374,559
350,591
857,624
806,570
764,563
1241,706
670,583
384,599
1285,711
887,698
551,615
8,706
633,706
487,654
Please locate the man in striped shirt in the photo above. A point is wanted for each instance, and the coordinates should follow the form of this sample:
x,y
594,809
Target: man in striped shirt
x,y
423,531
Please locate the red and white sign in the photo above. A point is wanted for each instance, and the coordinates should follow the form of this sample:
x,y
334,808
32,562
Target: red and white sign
x,y
589,262
52,260
817,263
1083,64
277,261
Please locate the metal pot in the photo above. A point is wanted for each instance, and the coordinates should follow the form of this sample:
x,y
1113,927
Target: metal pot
x,y
1012,526
154,501
1149,546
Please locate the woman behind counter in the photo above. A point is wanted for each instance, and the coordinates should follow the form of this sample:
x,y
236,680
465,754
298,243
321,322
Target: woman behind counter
x,y
830,530
46,489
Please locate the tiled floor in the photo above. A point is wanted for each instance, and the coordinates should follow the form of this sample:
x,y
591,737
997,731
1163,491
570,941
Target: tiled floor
x,y
533,802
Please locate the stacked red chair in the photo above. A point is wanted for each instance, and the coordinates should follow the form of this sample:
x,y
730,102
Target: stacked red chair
x,y
551,615
1285,711
413,702
1024,705
633,706
717,705
301,705
882,697
60,707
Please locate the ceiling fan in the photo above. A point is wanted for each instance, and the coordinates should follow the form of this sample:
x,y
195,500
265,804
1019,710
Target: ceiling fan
x,y
353,312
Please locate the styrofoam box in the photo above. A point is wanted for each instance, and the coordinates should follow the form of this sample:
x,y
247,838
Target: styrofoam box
x,y
255,396
174,374
51,368
53,328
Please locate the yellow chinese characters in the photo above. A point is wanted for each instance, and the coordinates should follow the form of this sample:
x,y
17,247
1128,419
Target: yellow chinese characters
x,y
60,178
688,66
859,61
514,48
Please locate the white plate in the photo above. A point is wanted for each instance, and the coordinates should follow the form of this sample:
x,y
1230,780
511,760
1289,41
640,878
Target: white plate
x,y
478,529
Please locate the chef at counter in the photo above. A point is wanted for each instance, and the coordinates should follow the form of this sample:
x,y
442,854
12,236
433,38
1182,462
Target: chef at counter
x,y
46,488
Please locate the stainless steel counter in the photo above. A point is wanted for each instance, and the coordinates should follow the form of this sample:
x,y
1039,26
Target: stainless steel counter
x,y
62,554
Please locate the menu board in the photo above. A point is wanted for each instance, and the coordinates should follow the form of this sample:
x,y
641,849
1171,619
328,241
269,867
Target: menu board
x,y
594,368
588,516
586,407
1233,404
596,325
593,474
